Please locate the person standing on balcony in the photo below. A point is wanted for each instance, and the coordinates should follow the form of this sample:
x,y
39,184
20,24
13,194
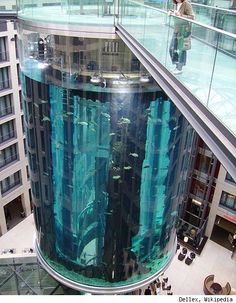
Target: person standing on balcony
x,y
181,40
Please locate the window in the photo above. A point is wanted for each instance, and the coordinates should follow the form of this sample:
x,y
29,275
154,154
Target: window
x,y
198,188
28,87
227,200
7,131
46,191
3,25
32,162
3,49
20,98
18,74
43,91
42,141
27,172
8,155
10,182
25,147
6,107
229,178
23,124
203,164
16,46
4,78
44,165
60,40
77,41
31,138
35,189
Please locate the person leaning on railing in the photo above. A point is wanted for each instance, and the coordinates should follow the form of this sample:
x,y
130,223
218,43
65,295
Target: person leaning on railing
x,y
181,40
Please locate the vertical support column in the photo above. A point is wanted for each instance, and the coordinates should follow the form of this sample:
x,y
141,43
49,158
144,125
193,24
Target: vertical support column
x,y
18,118
215,201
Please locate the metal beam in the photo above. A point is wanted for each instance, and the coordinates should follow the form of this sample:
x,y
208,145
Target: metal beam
x,y
218,138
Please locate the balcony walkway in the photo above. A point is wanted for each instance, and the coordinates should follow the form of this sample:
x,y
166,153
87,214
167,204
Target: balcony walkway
x,y
210,72
209,75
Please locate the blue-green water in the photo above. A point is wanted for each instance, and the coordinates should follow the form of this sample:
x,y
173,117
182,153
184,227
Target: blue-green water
x,y
104,181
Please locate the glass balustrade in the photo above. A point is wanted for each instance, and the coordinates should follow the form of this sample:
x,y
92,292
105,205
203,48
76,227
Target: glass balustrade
x,y
210,70
87,12
210,15
221,18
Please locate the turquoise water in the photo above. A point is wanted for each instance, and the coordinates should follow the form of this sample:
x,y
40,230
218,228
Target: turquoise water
x,y
107,218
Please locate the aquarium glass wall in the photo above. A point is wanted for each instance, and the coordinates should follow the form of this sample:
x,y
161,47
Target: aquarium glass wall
x,y
108,153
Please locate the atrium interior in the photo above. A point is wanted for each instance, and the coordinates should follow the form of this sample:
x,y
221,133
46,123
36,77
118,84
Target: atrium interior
x,y
116,173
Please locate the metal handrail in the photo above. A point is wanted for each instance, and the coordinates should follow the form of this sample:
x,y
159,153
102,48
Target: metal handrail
x,y
220,31
215,8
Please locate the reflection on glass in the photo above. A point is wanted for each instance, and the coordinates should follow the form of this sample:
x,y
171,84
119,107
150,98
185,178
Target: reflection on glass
x,y
210,63
105,186
83,12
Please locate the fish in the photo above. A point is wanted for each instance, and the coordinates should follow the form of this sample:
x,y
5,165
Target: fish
x,y
133,155
112,134
45,118
124,121
116,177
83,123
127,167
116,168
176,127
106,115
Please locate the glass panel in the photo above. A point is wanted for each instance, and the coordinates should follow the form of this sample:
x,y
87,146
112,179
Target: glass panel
x,y
24,276
84,12
7,5
6,107
9,287
220,18
223,91
203,58
228,200
112,138
213,14
5,273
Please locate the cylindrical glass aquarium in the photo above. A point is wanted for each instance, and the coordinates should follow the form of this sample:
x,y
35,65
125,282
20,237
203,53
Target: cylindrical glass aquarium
x,y
107,153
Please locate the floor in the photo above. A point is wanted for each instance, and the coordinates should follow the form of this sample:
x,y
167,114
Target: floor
x,y
214,259
184,279
20,238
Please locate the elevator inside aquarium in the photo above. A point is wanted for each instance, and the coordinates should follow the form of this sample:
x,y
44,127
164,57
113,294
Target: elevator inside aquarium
x,y
108,154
